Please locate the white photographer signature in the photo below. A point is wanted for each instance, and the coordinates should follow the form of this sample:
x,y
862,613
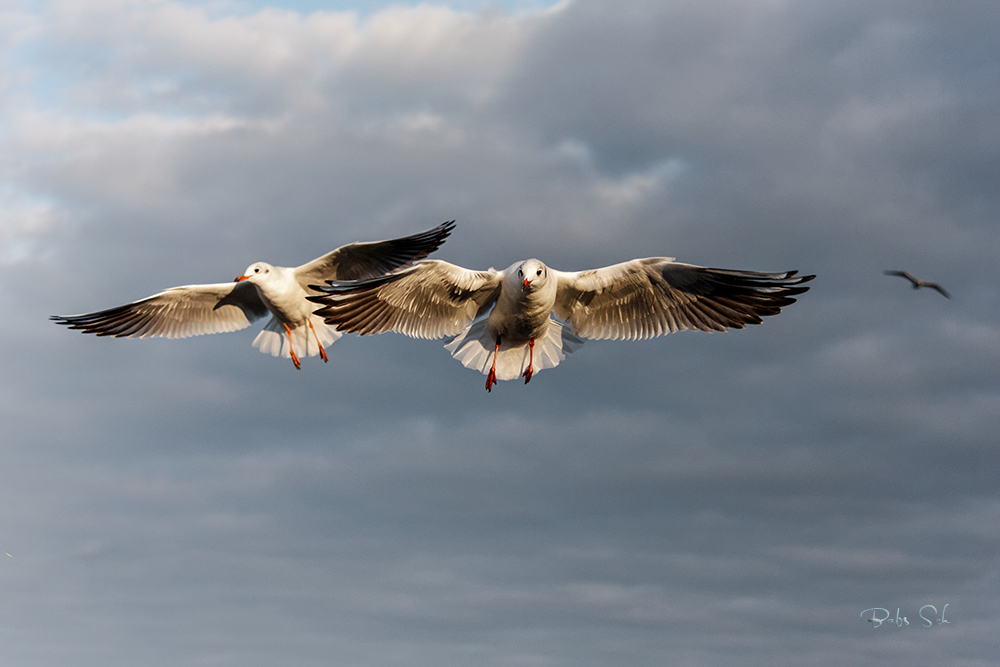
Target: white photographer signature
x,y
879,615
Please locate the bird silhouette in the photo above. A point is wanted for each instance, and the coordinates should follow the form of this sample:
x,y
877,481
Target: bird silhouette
x,y
917,284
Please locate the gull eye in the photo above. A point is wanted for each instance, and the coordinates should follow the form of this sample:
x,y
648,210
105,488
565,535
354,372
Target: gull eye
x,y
257,270
539,272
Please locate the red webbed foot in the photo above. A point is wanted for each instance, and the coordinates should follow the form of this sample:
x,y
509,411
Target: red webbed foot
x,y
295,358
322,352
529,371
491,379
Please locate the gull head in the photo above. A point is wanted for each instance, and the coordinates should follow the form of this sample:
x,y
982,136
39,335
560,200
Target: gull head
x,y
531,274
255,273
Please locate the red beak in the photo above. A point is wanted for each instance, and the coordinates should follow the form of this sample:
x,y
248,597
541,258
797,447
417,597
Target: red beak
x,y
241,278
526,283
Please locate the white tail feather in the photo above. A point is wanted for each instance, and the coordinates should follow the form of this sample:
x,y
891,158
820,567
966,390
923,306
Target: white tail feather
x,y
272,339
474,348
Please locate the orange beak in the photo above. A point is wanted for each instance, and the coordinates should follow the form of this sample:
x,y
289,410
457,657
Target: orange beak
x,y
241,279
526,283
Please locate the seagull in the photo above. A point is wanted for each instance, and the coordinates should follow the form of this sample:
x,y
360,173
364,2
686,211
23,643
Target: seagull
x,y
917,284
641,298
193,310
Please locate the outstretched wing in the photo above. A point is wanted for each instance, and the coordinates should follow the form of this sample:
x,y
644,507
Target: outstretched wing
x,y
650,297
902,274
938,288
179,312
358,261
432,299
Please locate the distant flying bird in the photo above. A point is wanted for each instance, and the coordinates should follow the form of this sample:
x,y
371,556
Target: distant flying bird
x,y
193,310
642,298
917,284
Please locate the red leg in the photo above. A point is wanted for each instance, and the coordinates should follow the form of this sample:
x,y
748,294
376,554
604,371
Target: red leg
x,y
491,379
322,352
295,359
529,371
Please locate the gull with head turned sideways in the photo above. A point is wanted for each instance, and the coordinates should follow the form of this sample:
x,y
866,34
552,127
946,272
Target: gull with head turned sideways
x,y
193,310
503,324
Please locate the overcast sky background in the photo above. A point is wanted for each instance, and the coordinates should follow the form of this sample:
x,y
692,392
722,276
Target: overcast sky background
x,y
725,499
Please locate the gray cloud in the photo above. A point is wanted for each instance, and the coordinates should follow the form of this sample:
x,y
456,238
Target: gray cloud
x,y
737,498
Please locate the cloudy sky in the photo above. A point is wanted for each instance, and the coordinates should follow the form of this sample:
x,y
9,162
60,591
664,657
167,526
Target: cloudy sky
x,y
726,499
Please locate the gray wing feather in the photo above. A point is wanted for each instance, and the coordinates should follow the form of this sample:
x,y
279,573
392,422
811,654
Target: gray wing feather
x,y
179,312
357,261
432,299
644,298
